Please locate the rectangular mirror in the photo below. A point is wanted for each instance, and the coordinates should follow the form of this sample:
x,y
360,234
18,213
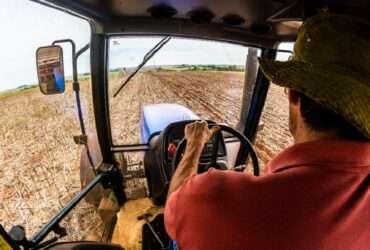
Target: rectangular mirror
x,y
50,70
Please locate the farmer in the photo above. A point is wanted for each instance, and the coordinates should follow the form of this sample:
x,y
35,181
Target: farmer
x,y
316,194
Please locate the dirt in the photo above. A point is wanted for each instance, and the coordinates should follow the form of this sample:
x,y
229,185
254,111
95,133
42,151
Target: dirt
x,y
39,161
211,95
215,96
275,135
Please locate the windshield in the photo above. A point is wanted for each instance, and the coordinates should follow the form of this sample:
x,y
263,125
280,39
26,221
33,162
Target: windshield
x,y
185,79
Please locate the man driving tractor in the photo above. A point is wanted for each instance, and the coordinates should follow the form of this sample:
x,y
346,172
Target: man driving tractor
x,y
316,192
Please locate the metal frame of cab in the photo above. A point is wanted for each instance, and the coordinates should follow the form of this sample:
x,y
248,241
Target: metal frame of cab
x,y
103,27
99,76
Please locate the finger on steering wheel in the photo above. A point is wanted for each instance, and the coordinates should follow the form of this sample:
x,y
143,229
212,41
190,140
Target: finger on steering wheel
x,y
195,130
199,132
212,131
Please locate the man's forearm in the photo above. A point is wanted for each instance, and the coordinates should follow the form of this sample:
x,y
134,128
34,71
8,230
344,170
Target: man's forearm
x,y
187,166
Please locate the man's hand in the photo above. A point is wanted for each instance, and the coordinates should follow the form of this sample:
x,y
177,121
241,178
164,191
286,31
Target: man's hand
x,y
197,134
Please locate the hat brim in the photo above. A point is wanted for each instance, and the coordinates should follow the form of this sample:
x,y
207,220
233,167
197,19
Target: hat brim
x,y
334,88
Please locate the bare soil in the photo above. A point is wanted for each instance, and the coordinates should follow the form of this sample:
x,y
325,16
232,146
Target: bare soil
x,y
211,95
39,161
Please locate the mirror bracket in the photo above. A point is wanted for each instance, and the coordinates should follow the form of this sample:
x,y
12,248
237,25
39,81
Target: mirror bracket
x,y
76,86
80,139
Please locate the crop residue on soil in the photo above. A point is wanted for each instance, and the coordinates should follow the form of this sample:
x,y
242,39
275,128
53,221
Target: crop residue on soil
x,y
40,163
215,96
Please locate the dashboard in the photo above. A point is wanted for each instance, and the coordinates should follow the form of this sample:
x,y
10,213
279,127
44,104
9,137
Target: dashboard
x,y
176,134
165,150
159,159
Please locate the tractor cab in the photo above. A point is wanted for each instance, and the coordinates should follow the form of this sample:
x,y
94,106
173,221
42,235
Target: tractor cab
x,y
157,66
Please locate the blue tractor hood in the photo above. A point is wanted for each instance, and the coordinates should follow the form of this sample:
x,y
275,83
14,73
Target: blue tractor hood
x,y
156,117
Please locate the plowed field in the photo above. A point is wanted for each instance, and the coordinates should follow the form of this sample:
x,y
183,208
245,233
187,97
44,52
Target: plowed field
x,y
211,95
39,161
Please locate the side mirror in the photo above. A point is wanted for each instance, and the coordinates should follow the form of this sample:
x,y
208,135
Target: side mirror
x,y
50,70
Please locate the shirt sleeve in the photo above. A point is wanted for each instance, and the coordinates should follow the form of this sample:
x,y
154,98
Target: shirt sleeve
x,y
171,210
194,191
169,214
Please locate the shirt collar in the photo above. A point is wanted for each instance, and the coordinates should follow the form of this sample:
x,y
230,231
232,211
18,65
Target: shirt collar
x,y
347,155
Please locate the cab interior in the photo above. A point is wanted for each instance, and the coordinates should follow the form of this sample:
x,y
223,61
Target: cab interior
x,y
139,168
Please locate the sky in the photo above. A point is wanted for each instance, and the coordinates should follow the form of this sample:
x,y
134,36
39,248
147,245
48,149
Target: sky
x,y
128,52
26,25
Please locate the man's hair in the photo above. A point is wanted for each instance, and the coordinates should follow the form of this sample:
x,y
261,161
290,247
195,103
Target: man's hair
x,y
321,119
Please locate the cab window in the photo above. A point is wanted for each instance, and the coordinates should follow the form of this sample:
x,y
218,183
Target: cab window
x,y
39,159
205,77
273,135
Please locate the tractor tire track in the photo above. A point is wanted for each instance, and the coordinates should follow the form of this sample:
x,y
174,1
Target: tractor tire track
x,y
215,96
194,89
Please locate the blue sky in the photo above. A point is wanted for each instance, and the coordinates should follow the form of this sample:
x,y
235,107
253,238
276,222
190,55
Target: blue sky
x,y
26,25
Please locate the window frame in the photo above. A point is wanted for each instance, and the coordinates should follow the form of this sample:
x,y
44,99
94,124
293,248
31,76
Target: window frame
x,y
137,147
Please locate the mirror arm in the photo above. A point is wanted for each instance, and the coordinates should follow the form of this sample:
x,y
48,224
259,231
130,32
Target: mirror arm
x,y
82,50
82,139
76,85
74,61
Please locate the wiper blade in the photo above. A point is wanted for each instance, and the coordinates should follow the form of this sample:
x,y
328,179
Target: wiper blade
x,y
146,58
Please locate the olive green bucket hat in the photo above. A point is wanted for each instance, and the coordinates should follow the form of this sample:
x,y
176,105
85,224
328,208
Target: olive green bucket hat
x,y
330,65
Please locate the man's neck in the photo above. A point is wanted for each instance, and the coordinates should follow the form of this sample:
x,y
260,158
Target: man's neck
x,y
304,134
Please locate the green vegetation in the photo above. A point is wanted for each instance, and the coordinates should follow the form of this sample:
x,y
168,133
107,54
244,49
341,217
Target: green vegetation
x,y
84,76
116,73
116,70
30,87
122,71
19,90
210,67
81,77
184,67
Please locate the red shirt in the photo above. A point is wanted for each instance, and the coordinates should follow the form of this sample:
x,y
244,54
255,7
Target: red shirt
x,y
316,196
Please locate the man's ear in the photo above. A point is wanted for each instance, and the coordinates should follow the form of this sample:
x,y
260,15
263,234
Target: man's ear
x,y
293,96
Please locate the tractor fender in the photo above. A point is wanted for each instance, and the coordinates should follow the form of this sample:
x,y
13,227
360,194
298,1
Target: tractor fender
x,y
86,170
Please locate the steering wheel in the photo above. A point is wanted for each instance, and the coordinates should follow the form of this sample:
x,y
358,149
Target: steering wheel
x,y
245,148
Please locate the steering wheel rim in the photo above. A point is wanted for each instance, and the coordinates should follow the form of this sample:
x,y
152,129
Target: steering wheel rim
x,y
245,145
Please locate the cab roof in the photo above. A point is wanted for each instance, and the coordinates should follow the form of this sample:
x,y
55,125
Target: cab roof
x,y
260,22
